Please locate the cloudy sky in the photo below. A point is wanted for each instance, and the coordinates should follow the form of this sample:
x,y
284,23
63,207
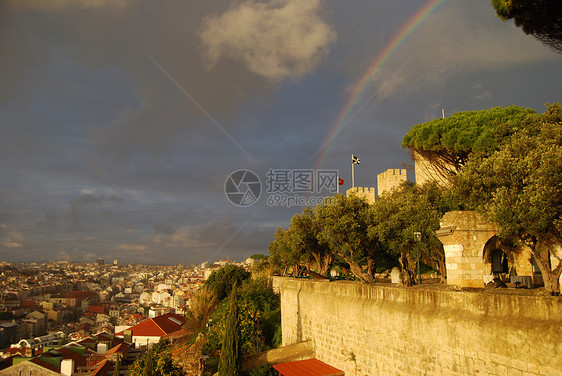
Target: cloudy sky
x,y
121,120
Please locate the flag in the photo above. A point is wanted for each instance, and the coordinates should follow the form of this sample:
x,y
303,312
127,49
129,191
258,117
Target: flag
x,y
355,159
340,181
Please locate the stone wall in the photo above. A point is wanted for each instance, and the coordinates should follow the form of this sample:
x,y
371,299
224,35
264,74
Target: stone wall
x,y
375,330
466,237
464,246
365,192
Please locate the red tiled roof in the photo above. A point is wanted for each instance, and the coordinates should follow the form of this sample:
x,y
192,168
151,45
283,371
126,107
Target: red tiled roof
x,y
43,364
84,326
170,322
146,328
308,367
13,351
120,348
96,308
158,326
95,359
81,294
104,336
28,303
66,353
87,340
103,368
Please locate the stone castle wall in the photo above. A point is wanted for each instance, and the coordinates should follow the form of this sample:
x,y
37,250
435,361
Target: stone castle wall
x,y
364,192
390,179
374,330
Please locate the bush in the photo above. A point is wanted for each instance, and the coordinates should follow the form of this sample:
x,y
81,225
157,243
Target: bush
x,y
263,370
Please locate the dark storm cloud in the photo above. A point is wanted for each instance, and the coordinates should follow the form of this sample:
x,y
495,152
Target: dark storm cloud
x,y
123,35
164,229
132,113
76,205
50,220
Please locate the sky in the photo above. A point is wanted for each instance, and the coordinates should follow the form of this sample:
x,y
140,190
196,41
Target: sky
x,y
123,122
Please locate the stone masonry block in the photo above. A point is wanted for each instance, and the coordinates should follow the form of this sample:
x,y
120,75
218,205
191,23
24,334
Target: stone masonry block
x,y
518,364
501,370
519,373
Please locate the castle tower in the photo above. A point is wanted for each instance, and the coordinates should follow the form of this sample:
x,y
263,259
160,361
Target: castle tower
x,y
390,179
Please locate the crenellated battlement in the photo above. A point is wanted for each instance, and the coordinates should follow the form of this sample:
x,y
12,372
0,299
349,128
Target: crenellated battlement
x,y
366,192
390,179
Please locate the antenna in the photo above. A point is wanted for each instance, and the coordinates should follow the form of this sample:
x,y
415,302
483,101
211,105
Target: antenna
x,y
443,112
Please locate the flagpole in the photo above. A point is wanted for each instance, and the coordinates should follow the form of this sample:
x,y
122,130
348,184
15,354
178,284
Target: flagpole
x,y
352,173
338,184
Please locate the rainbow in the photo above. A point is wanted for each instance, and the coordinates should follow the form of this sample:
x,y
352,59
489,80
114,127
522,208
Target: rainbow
x,y
349,110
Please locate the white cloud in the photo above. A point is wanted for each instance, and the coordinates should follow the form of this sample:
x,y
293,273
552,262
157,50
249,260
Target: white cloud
x,y
10,237
275,39
90,257
483,95
132,247
63,255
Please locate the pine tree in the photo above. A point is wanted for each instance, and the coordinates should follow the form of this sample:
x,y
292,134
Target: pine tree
x,y
148,369
117,365
231,353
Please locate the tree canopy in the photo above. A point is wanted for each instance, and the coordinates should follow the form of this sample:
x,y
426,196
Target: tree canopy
x,y
221,281
539,18
398,216
156,362
305,230
284,254
359,237
519,188
259,318
447,143
344,225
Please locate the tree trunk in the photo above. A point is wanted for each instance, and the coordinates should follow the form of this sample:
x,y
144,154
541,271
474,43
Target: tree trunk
x,y
299,270
408,269
552,282
442,270
439,258
371,267
357,270
551,277
323,264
